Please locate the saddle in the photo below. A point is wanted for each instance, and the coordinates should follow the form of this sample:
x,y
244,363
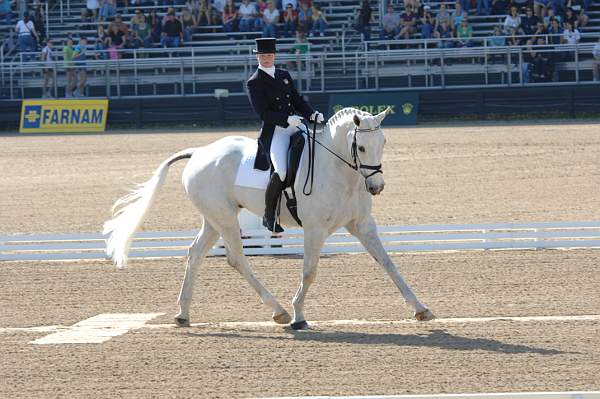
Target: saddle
x,y
294,155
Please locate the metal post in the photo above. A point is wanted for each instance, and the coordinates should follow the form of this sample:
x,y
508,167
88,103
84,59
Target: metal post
x,y
576,62
12,93
181,76
508,71
377,70
47,21
322,72
61,12
135,72
194,71
442,69
356,70
343,51
118,79
22,78
521,66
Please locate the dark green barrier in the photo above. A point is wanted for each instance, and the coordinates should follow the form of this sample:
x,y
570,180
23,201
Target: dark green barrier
x,y
404,105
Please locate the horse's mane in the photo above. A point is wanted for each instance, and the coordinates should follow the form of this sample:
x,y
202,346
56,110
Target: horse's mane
x,y
345,115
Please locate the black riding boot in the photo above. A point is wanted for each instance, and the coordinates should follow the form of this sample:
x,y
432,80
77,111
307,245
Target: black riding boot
x,y
271,200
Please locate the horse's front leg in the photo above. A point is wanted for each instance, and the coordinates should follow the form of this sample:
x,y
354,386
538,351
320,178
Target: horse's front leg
x,y
313,241
366,231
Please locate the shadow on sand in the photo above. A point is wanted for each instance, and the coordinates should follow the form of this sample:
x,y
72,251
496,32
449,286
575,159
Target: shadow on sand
x,y
433,339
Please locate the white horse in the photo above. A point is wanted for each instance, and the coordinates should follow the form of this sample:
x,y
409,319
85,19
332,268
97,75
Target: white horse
x,y
341,198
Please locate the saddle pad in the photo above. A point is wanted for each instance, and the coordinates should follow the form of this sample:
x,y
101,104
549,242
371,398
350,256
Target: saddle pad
x,y
247,176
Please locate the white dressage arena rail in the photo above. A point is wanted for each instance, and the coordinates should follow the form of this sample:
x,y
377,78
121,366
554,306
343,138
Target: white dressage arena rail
x,y
536,235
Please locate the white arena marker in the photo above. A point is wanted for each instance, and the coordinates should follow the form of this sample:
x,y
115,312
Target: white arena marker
x,y
98,329
508,395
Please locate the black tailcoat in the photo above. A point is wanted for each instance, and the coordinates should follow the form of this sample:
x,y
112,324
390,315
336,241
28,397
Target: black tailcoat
x,y
273,100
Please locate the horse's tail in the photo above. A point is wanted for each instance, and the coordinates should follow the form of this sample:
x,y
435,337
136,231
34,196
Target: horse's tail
x,y
129,211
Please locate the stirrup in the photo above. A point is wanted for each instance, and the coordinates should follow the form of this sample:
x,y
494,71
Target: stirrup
x,y
271,225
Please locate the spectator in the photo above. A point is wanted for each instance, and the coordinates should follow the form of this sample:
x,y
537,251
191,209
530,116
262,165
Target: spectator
x,y
543,65
6,11
512,21
107,10
290,20
550,16
270,20
319,22
247,13
414,5
529,22
465,5
133,41
27,36
513,39
559,6
596,62
121,26
362,24
464,32
497,39
155,26
427,25
299,49
217,7
408,22
456,15
101,43
444,32
48,69
203,14
540,8
115,42
304,17
499,7
390,23
189,24
172,32
144,32
92,7
286,3
485,4
229,18
442,15
79,57
571,18
556,33
578,8
137,17
571,34
527,64
540,31
71,80
39,22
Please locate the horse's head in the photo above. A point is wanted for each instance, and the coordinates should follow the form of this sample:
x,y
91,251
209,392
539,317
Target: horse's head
x,y
367,141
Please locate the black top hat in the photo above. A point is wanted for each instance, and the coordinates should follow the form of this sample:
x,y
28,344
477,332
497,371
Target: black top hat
x,y
265,46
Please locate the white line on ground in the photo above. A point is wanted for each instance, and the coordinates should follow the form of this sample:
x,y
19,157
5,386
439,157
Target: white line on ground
x,y
508,395
98,329
119,323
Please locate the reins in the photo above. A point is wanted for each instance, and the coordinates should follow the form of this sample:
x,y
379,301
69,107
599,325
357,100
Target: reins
x,y
357,163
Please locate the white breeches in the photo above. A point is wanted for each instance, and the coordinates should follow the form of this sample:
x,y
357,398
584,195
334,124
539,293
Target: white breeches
x,y
279,149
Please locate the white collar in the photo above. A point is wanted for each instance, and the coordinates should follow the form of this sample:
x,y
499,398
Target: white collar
x,y
268,71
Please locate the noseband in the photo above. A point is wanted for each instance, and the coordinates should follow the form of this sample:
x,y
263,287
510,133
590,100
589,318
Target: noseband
x,y
357,162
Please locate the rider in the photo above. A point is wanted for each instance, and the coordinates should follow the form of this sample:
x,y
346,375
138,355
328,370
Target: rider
x,y
276,101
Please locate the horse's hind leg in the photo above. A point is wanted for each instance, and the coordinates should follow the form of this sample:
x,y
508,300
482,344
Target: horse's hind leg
x,y
203,242
237,259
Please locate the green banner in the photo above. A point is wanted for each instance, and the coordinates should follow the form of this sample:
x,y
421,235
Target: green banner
x,y
404,105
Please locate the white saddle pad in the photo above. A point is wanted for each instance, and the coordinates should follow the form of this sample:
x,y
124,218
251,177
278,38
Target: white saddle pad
x,y
247,176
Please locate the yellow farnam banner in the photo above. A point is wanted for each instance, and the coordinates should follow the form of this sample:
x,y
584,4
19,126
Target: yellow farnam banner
x,y
63,116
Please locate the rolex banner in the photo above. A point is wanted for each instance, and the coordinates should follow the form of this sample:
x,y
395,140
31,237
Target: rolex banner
x,y
404,105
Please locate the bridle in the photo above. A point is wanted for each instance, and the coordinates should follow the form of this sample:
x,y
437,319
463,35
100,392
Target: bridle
x,y
357,162
355,158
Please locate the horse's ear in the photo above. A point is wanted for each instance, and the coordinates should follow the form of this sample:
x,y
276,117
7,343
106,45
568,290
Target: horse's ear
x,y
356,120
381,116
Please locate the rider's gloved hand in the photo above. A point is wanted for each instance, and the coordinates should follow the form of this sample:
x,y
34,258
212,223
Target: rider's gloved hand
x,y
294,120
317,116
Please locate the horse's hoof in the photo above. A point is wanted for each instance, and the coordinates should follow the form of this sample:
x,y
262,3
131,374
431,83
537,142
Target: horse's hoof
x,y
300,325
182,322
425,315
283,318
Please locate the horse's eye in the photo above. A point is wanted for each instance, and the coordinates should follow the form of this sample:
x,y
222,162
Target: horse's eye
x,y
361,148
